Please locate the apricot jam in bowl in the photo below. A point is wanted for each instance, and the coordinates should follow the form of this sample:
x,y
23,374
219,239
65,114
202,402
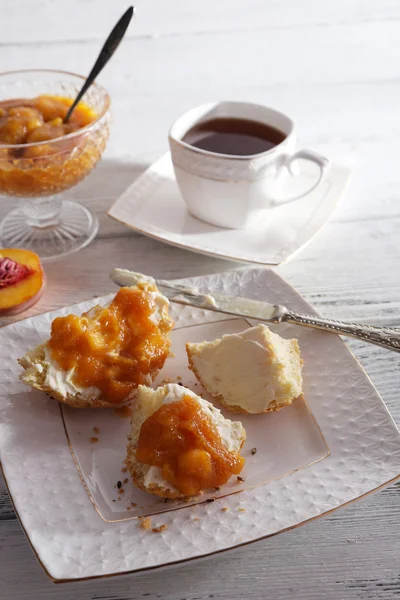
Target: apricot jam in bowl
x,y
41,157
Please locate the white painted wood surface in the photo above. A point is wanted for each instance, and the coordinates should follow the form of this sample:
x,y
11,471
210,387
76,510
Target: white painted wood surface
x,y
334,66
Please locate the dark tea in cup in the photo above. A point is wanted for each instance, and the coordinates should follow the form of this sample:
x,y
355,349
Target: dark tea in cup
x,y
237,137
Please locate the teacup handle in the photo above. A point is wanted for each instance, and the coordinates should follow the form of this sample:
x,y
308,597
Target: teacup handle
x,y
323,164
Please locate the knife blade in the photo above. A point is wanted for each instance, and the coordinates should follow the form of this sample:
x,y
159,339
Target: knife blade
x,y
191,296
387,337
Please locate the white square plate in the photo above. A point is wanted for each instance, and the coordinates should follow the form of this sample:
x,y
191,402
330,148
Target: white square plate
x,y
73,542
153,206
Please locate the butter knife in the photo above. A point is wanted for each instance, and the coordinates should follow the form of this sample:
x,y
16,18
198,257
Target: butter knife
x,y
388,337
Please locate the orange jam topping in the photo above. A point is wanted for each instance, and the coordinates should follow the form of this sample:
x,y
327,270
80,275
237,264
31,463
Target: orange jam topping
x,y
182,440
24,121
55,162
114,348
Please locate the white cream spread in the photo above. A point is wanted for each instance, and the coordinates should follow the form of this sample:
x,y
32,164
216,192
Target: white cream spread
x,y
161,308
209,301
124,277
250,369
62,381
231,432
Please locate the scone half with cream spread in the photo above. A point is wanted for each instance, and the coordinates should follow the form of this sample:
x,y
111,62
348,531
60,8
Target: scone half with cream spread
x,y
180,444
254,371
98,359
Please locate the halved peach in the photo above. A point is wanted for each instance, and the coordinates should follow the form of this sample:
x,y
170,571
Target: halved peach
x,y
22,280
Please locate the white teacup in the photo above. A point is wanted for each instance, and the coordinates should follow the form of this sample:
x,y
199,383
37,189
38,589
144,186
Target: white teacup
x,y
226,190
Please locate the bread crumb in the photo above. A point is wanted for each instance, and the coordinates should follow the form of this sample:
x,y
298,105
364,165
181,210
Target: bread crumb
x,y
146,523
188,499
94,440
179,378
224,508
167,380
124,470
125,480
124,412
129,508
240,509
196,519
160,529
133,503
96,429
121,491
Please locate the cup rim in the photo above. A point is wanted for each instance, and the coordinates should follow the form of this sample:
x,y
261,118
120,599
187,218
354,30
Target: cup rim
x,y
73,134
174,138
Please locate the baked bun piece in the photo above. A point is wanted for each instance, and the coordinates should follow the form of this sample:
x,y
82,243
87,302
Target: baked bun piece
x,y
180,444
253,372
97,360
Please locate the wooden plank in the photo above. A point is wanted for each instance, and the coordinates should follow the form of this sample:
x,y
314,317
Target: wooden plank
x,y
6,509
69,20
354,289
196,59
351,554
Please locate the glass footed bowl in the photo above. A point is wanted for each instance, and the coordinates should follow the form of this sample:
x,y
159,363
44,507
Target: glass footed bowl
x,y
36,174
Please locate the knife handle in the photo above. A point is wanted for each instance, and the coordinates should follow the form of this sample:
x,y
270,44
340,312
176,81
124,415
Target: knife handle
x,y
388,337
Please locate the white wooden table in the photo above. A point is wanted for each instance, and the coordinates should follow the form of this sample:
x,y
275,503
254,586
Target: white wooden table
x,y
333,66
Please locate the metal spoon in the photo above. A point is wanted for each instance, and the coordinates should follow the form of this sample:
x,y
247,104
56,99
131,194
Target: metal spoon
x,y
110,46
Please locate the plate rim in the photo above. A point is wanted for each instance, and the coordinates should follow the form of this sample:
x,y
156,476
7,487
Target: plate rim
x,y
192,558
240,544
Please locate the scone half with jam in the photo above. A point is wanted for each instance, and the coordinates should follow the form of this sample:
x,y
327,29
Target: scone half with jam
x,y
254,371
180,444
98,359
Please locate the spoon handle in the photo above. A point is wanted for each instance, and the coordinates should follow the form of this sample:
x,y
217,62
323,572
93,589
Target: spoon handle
x,y
108,49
